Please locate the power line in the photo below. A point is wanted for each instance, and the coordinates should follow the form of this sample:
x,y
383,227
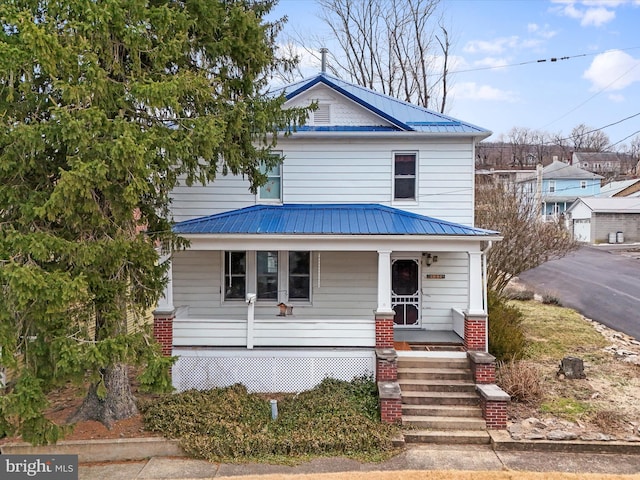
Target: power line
x,y
625,138
591,97
555,141
537,61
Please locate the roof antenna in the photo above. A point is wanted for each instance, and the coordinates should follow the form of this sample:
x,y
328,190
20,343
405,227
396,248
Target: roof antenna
x,y
323,59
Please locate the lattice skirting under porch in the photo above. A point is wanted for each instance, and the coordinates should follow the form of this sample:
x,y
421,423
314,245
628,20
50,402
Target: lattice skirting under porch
x,y
267,370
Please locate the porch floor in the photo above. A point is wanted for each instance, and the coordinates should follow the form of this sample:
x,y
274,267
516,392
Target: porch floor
x,y
428,337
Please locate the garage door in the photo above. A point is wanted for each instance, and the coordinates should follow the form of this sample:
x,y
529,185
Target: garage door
x,y
582,230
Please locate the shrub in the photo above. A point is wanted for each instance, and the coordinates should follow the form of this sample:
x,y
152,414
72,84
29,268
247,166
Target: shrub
x,y
522,295
230,424
521,380
506,336
549,299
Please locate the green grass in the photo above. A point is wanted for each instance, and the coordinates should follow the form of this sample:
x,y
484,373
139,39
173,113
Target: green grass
x,y
554,332
232,425
567,408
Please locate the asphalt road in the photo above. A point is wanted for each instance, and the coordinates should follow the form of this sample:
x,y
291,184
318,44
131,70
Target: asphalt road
x,y
602,285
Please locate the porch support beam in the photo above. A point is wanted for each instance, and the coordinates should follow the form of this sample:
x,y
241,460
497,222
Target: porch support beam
x,y
165,303
384,284
476,285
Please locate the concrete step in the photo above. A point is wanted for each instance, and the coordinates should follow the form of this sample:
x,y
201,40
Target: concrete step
x,y
421,362
440,398
445,423
447,437
418,385
435,373
442,410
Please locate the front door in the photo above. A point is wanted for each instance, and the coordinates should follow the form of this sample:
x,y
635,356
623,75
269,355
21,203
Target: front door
x,y
405,291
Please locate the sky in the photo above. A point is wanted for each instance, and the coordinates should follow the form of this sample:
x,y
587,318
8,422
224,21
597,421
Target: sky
x,y
499,81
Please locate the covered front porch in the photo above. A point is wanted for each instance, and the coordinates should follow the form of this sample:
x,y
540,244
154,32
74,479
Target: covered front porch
x,y
237,295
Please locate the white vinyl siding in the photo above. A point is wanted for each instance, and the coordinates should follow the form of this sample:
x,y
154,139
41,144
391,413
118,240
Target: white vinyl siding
x,y
344,171
439,296
344,298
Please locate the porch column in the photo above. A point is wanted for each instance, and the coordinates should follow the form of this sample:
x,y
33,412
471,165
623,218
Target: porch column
x,y
165,303
164,315
384,283
475,319
386,357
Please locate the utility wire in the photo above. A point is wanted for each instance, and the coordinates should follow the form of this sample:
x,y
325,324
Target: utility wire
x,y
541,60
555,141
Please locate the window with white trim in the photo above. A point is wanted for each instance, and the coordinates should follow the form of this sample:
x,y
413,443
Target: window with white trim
x,y
299,275
268,276
272,190
552,186
235,275
583,184
404,176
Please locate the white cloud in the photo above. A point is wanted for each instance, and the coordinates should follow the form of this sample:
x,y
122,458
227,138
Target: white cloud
x,y
597,17
613,70
500,45
542,31
473,91
491,62
590,12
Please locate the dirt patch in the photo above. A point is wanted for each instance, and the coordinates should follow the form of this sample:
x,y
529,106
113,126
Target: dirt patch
x,y
64,401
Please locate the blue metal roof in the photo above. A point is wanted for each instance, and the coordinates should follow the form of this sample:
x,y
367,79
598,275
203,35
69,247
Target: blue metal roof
x,y
403,115
324,219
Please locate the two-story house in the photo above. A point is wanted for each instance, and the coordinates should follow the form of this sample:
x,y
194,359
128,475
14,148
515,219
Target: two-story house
x,y
363,238
557,186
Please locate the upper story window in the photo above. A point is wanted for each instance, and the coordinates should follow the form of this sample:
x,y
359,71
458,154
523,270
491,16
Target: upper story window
x,y
583,184
272,190
552,186
404,176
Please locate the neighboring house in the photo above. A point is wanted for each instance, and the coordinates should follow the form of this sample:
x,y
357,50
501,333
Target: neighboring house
x,y
508,179
623,188
605,220
362,237
561,185
607,164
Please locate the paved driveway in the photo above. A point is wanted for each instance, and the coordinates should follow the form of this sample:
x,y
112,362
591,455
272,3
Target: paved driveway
x,y
600,283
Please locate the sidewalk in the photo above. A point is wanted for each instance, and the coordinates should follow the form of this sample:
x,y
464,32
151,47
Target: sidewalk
x,y
420,458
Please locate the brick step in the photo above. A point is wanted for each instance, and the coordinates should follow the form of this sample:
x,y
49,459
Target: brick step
x,y
435,373
444,423
438,385
442,410
440,398
447,437
417,362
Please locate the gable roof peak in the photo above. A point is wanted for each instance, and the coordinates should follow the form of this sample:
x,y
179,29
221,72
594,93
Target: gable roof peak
x,y
403,115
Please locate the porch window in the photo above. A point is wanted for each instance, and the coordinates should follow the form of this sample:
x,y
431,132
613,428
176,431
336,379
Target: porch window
x,y
272,190
299,275
235,275
404,176
267,275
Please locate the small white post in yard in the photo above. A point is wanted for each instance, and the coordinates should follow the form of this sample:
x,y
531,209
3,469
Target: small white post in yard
x,y
251,302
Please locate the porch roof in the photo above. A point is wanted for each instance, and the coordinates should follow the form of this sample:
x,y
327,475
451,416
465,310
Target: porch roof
x,y
325,219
